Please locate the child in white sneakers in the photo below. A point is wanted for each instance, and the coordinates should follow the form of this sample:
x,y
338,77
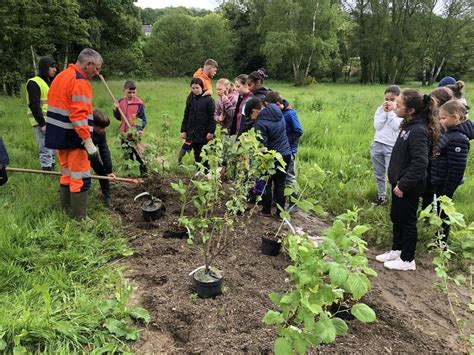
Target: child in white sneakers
x,y
407,173
387,126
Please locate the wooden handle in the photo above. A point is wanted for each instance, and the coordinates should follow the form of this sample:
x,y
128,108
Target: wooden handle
x,y
124,118
57,173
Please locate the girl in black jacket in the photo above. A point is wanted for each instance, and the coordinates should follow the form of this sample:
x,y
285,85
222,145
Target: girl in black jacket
x,y
407,173
255,83
198,124
447,170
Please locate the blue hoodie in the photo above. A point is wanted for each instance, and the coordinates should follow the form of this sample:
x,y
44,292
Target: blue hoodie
x,y
271,124
3,154
293,127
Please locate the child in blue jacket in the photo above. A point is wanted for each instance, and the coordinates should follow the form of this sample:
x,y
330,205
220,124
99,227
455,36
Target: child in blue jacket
x,y
4,160
447,170
269,122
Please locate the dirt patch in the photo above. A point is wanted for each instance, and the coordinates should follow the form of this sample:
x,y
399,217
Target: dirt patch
x,y
412,316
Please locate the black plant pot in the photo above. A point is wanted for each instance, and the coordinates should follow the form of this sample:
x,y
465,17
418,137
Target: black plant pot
x,y
207,285
270,247
341,311
152,211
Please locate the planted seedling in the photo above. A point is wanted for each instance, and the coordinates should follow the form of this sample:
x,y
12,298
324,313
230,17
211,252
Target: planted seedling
x,y
153,208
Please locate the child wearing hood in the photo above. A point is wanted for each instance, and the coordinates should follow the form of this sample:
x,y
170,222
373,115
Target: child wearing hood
x,y
270,123
37,89
447,170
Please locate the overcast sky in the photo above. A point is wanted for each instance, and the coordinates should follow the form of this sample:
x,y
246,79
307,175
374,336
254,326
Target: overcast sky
x,y
201,4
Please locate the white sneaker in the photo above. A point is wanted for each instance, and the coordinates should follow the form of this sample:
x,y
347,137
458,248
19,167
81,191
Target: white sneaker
x,y
389,255
399,264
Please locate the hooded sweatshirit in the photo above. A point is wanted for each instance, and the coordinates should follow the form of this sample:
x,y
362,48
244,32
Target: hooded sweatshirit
x,y
271,124
34,92
447,170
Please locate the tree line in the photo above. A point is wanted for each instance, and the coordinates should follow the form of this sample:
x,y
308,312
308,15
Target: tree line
x,y
368,41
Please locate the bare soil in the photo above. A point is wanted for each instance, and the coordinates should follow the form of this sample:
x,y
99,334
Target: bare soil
x,y
411,315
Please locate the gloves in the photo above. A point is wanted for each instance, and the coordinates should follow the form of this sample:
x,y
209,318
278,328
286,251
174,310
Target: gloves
x,y
3,176
90,148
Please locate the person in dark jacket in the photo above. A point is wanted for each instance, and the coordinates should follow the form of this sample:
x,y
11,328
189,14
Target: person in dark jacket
x,y
407,173
241,123
102,164
447,170
37,91
198,124
4,161
270,123
255,83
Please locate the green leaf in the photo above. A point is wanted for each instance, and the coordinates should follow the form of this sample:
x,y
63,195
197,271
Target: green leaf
x,y
275,297
338,274
282,347
340,326
358,285
359,230
325,330
363,313
273,317
3,344
141,313
471,307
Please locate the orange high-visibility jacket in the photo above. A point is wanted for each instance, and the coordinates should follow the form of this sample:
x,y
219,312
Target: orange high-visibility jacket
x,y
69,118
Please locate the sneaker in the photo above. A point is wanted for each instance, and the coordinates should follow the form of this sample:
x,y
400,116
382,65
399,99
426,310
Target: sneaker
x,y
401,265
388,256
381,201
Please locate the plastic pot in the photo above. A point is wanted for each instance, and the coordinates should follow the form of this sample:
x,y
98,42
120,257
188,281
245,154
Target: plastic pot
x,y
152,211
341,311
207,285
270,247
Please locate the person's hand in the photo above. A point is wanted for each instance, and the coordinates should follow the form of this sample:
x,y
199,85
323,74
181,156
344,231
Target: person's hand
x,y
116,105
3,176
398,192
140,133
112,175
90,148
183,135
209,136
220,118
43,129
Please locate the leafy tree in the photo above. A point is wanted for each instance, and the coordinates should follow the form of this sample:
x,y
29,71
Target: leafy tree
x,y
301,34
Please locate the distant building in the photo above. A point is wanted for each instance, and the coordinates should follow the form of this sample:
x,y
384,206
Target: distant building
x,y
147,30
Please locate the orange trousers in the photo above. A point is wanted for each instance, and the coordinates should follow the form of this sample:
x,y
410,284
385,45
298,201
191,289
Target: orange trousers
x,y
75,169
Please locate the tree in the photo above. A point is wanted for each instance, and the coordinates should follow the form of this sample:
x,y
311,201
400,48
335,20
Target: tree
x,y
301,34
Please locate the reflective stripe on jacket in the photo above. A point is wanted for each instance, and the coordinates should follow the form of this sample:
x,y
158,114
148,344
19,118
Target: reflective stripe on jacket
x,y
44,88
69,118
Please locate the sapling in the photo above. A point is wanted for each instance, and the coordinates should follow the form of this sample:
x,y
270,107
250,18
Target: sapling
x,y
217,207
336,270
465,235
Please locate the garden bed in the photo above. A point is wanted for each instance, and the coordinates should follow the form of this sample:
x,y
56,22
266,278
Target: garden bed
x,y
412,316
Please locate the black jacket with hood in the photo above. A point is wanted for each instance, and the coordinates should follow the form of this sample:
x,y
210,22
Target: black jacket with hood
x,y
198,118
34,92
409,161
447,170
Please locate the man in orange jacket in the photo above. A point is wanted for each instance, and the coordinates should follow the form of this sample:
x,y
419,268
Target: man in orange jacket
x,y
206,74
69,124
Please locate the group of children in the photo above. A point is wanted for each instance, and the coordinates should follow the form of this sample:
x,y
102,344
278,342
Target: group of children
x,y
422,143
242,105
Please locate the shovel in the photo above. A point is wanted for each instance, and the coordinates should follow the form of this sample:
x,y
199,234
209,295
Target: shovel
x,y
139,158
57,173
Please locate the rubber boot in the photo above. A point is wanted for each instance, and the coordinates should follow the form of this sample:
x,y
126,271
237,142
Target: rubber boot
x,y
181,155
79,205
65,198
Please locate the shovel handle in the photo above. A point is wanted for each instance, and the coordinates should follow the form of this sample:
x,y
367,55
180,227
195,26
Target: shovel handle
x,y
124,118
57,173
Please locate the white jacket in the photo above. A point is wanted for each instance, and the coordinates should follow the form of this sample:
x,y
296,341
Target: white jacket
x,y
387,126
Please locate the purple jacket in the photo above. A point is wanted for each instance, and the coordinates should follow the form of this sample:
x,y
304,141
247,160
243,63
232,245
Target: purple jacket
x,y
227,108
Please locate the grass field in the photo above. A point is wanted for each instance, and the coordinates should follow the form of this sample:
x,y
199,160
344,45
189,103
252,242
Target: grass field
x,y
56,276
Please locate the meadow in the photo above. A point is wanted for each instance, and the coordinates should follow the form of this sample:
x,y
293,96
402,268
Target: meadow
x,y
59,289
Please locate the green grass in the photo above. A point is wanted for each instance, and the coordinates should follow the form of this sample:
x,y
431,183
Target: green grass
x,y
55,277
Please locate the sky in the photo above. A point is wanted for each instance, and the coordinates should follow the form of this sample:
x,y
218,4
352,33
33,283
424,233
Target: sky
x,y
201,4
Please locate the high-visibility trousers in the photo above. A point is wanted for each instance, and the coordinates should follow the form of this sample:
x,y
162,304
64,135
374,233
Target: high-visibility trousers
x,y
75,169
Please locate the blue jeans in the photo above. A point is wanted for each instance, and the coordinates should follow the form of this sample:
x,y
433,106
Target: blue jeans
x,y
380,154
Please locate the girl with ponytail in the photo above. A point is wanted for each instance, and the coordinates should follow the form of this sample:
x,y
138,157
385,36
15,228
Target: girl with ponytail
x,y
255,83
407,174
